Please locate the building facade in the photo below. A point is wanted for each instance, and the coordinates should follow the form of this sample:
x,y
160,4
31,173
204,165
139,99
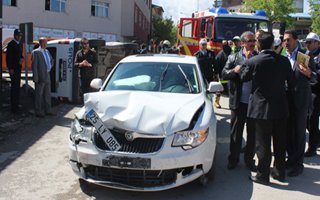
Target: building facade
x,y
112,20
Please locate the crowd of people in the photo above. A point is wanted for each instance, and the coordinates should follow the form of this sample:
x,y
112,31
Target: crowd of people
x,y
274,94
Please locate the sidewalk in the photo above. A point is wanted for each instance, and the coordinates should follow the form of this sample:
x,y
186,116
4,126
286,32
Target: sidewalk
x,y
9,122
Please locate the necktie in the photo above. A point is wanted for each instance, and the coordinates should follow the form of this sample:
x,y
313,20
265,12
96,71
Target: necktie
x,y
46,56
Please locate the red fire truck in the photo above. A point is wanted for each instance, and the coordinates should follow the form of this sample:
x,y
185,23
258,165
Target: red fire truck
x,y
216,24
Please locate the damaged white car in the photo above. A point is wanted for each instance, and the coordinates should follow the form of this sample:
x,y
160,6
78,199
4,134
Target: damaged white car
x,y
150,127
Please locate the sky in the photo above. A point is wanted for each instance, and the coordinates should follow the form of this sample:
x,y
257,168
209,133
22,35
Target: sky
x,y
182,8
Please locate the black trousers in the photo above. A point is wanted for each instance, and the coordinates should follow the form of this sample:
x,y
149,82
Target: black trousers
x,y
296,134
15,89
313,126
265,129
238,120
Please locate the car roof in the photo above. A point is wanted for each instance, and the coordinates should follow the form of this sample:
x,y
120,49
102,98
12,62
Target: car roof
x,y
171,58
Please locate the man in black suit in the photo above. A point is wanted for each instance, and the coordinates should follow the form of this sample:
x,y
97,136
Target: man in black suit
x,y
299,104
239,93
268,106
206,60
14,61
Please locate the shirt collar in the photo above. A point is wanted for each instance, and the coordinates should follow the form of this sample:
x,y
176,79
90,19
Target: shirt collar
x,y
294,52
16,41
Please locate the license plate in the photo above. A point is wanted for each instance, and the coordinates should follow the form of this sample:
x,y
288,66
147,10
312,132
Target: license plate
x,y
104,132
127,162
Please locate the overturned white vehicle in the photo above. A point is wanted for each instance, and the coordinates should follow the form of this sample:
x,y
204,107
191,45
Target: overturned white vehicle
x,y
150,127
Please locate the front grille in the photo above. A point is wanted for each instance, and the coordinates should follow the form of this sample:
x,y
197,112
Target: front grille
x,y
139,145
134,178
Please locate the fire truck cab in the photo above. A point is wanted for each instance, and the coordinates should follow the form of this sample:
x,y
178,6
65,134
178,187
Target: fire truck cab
x,y
217,24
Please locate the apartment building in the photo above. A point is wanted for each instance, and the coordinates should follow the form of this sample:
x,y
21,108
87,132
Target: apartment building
x,y
112,20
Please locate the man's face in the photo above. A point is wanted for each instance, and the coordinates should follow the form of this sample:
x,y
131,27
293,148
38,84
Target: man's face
x,y
289,43
203,47
249,43
85,44
311,45
18,37
44,43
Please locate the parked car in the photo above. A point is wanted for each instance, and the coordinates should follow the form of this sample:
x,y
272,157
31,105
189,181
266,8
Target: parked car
x,y
150,127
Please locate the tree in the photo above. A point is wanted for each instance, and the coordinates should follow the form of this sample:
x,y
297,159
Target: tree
x,y
277,10
315,16
164,29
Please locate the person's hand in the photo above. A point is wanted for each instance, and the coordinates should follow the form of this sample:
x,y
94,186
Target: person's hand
x,y
11,71
305,70
237,69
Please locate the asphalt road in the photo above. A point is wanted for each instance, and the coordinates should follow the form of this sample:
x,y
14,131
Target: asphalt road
x,y
34,165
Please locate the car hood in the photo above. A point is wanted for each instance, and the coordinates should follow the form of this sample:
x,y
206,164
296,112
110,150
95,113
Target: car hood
x,y
144,112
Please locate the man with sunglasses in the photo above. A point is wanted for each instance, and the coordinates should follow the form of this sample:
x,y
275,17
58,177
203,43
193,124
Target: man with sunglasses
x,y
239,93
312,44
299,99
85,60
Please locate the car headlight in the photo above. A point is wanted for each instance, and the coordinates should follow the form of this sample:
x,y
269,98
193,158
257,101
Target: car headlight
x,y
190,139
80,131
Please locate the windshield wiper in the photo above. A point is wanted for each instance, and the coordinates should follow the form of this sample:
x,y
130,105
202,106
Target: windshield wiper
x,y
163,74
186,78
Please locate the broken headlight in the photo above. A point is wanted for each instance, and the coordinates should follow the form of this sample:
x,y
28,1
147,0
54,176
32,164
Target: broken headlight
x,y
189,139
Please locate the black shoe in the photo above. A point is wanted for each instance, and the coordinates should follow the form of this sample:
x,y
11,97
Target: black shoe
x,y
51,114
40,115
310,153
252,167
232,165
256,179
276,175
295,171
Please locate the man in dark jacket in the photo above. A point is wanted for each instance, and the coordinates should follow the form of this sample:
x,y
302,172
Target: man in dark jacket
x,y
312,43
238,102
85,60
268,106
299,104
206,59
14,61
220,62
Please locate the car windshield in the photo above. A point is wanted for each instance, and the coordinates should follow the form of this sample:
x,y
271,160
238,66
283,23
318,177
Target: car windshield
x,y
227,28
155,76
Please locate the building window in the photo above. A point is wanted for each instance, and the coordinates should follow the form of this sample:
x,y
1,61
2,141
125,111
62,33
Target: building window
x,y
56,5
10,2
99,9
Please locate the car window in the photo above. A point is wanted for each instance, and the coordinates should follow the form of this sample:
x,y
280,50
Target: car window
x,y
155,77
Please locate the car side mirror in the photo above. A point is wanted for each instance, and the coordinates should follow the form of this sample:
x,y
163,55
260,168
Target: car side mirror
x,y
215,87
96,83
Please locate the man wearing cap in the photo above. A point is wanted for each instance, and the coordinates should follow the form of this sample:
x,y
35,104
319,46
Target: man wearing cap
x,y
206,59
237,44
278,48
14,61
312,44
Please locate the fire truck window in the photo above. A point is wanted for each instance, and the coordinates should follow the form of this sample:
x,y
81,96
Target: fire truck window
x,y
187,28
226,29
209,30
